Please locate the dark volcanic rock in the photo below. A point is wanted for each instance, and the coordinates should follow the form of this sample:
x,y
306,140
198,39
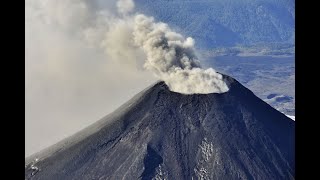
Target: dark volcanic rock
x,y
162,134
270,96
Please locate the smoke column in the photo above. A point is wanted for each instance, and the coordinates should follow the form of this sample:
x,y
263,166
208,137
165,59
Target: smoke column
x,y
125,6
167,54
172,58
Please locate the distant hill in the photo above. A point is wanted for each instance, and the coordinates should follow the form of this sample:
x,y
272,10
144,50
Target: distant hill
x,y
226,23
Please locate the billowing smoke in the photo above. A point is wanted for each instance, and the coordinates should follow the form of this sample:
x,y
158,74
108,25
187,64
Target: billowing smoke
x,y
84,58
172,58
125,6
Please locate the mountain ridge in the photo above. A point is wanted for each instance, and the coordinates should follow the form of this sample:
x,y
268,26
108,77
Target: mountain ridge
x,y
217,23
160,133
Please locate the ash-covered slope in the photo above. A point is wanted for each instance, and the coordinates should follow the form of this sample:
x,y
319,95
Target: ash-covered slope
x,y
163,134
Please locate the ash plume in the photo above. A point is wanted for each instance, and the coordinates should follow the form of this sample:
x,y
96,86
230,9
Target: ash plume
x,y
172,58
125,6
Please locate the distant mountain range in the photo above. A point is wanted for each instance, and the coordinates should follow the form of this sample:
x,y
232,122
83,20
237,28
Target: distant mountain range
x,y
227,23
161,134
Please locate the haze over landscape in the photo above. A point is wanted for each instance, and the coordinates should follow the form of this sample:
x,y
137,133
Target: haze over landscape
x,y
86,58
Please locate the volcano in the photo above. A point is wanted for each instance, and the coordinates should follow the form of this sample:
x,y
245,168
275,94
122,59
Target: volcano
x,y
160,134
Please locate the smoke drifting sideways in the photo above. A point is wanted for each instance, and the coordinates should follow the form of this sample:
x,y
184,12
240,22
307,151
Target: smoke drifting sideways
x,y
84,58
80,65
